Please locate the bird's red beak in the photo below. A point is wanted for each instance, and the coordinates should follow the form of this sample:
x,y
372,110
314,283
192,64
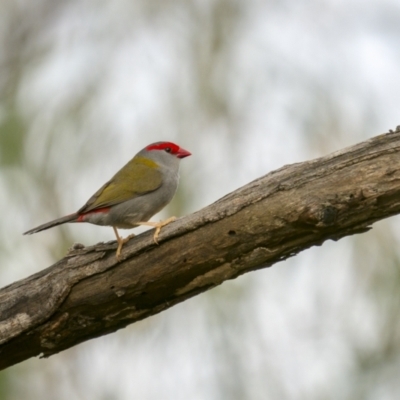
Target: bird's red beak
x,y
182,153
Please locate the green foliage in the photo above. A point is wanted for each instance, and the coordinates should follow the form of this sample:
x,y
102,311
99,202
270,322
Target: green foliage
x,y
12,133
4,385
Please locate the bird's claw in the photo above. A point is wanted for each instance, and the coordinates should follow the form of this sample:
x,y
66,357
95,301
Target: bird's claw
x,y
159,226
121,242
156,233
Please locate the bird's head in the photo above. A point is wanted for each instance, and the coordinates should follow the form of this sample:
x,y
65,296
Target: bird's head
x,y
169,148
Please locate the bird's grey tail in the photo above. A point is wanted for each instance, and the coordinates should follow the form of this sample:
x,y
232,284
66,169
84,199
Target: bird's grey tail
x,y
59,221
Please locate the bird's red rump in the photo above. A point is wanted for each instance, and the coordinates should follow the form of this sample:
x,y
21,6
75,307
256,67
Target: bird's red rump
x,y
81,217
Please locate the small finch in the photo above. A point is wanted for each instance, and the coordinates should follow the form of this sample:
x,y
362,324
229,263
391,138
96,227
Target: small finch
x,y
140,189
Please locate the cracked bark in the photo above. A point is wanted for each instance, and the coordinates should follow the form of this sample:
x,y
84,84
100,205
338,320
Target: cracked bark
x,y
88,293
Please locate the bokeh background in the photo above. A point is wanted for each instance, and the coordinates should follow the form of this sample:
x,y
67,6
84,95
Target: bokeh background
x,y
247,86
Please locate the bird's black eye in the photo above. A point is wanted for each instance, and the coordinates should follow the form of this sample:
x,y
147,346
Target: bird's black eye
x,y
168,149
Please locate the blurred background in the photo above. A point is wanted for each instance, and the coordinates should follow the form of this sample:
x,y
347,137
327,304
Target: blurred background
x,y
247,86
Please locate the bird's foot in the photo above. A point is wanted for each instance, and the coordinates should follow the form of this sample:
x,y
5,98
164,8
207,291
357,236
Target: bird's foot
x,y
158,226
121,241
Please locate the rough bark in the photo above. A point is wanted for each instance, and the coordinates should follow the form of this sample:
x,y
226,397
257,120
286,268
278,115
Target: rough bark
x,y
89,294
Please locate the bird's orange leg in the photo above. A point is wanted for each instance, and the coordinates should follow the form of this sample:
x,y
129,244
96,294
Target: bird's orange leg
x,y
157,225
121,242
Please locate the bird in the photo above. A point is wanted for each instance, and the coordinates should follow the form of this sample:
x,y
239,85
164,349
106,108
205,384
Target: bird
x,y
140,189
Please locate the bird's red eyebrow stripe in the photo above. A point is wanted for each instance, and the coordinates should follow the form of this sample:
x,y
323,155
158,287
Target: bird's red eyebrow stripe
x,y
81,217
164,145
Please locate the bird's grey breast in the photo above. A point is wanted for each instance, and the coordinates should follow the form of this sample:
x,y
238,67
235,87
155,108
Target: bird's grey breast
x,y
142,208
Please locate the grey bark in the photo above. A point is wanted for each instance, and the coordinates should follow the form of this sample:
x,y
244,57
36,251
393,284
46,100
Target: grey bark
x,y
89,294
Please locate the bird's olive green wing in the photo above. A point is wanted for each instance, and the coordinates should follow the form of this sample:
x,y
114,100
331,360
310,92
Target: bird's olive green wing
x,y
136,178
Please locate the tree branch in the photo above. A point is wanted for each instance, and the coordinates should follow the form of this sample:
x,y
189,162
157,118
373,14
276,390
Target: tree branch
x,y
89,294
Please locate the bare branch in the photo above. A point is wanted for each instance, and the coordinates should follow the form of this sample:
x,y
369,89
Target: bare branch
x,y
89,294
